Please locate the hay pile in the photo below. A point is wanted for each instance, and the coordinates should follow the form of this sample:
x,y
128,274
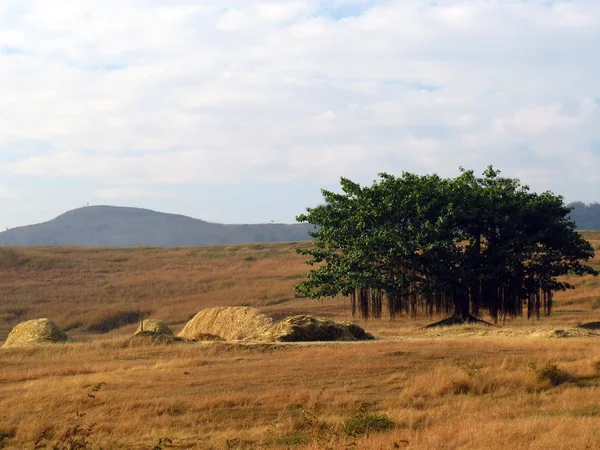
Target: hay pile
x,y
154,326
306,328
247,324
143,338
229,323
32,332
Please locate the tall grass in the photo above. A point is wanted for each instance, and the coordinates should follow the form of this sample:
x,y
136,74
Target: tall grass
x,y
526,385
100,289
431,393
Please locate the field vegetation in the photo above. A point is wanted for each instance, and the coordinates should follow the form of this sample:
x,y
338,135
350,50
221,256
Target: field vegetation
x,y
526,384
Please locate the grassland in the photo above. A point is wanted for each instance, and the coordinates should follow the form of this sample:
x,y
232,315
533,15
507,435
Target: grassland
x,y
524,385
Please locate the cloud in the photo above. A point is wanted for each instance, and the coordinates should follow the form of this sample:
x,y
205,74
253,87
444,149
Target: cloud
x,y
280,11
172,92
118,193
232,20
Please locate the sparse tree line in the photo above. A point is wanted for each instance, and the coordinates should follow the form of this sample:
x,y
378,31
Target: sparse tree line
x,y
460,246
586,217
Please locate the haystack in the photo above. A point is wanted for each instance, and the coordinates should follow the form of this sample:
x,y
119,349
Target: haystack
x,y
32,332
154,326
230,323
306,328
143,338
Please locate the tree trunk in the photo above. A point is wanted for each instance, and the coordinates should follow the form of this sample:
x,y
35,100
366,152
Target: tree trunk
x,y
462,313
461,304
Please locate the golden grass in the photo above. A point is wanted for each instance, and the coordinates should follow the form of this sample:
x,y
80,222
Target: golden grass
x,y
81,288
438,393
457,388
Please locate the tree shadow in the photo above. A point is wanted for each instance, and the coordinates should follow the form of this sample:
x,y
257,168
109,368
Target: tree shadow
x,y
591,326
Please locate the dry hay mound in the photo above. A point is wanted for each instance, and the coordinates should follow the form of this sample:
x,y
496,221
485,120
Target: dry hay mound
x,y
306,328
229,323
155,326
32,332
247,324
564,333
148,337
209,337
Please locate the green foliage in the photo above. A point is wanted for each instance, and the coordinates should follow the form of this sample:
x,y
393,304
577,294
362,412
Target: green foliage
x,y
365,423
3,437
291,439
465,244
163,443
472,369
315,425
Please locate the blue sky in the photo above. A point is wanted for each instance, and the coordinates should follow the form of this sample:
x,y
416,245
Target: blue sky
x,y
240,111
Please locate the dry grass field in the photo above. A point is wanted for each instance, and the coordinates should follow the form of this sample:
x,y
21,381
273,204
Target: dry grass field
x,y
526,384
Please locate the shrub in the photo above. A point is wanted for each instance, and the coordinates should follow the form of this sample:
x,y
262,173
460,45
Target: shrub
x,y
553,374
4,436
365,423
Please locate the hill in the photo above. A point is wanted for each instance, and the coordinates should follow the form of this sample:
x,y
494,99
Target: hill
x,y
587,217
109,226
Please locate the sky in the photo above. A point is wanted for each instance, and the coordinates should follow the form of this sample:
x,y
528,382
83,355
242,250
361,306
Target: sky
x,y
241,111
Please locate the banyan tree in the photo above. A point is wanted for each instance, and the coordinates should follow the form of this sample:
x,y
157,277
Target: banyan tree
x,y
457,246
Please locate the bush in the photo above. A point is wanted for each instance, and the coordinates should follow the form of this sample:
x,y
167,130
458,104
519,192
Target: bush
x,y
4,436
553,374
365,423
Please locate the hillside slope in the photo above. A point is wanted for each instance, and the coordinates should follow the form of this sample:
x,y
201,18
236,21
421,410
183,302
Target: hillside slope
x,y
130,227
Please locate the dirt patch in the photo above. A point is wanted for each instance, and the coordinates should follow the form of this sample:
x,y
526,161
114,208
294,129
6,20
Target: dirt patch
x,y
527,332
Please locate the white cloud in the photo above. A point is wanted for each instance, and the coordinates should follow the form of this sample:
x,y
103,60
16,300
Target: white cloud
x,y
147,92
280,11
128,192
232,20
541,118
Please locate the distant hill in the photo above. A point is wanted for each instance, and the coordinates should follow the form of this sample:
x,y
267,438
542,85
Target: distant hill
x,y
109,226
586,217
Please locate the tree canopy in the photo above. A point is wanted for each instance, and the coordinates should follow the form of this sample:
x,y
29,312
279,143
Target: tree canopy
x,y
460,245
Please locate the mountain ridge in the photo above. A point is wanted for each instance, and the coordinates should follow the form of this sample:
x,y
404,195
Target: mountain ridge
x,y
117,226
